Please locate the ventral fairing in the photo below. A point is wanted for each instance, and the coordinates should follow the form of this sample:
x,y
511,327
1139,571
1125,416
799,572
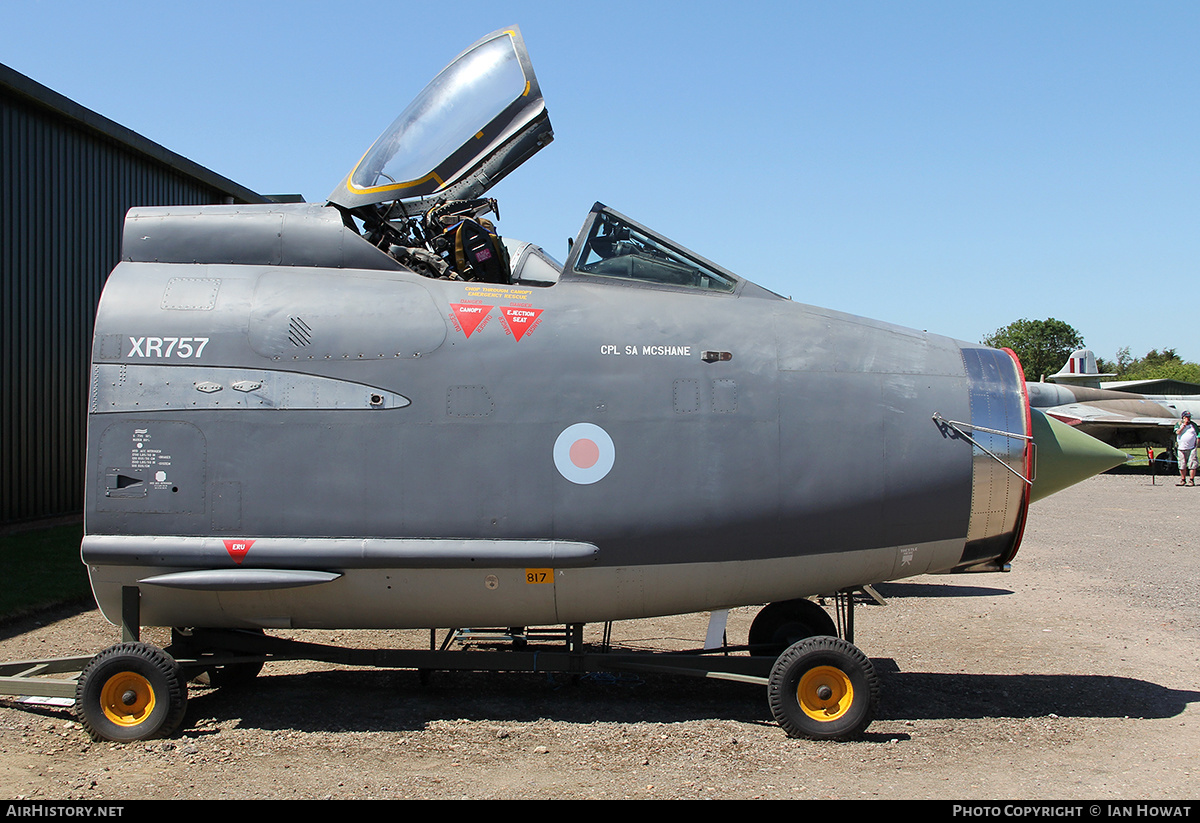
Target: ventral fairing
x,y
376,412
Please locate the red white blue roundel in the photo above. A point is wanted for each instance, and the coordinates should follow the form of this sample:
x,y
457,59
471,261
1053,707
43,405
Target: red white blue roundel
x,y
584,453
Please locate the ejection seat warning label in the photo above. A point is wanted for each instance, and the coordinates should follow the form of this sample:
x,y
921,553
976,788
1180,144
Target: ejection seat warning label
x,y
539,575
520,320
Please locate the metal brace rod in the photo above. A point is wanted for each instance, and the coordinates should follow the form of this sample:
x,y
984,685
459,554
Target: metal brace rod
x,y
955,425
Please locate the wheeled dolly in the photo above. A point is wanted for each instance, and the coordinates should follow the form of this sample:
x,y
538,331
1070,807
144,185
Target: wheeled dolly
x,y
819,685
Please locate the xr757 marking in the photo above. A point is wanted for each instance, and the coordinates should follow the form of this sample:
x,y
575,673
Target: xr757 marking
x,y
164,347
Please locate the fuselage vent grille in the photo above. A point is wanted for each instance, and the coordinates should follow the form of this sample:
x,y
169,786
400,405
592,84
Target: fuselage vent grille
x,y
299,332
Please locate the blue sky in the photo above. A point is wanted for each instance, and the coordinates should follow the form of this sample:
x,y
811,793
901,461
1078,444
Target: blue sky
x,y
950,166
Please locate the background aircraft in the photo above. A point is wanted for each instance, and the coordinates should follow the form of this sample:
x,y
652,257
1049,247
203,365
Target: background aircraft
x,y
1118,416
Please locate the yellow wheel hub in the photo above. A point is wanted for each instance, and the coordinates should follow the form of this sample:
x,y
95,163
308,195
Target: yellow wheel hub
x,y
127,699
825,693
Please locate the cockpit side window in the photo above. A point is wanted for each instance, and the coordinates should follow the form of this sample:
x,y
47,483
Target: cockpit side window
x,y
539,269
532,265
615,248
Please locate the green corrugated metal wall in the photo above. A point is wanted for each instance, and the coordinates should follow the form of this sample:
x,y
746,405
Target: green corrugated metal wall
x,y
64,191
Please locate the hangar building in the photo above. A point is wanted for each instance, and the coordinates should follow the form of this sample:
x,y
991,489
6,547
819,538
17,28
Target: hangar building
x,y
67,177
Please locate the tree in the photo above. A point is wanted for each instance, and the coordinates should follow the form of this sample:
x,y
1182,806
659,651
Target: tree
x,y
1156,365
1042,346
1124,360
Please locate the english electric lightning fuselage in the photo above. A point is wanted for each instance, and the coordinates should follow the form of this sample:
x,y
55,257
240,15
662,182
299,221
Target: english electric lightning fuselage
x,y
374,413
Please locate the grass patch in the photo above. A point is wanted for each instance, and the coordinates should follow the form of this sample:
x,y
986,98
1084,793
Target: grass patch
x,y
41,569
1137,457
1139,464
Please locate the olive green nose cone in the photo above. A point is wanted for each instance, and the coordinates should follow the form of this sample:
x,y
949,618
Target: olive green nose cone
x,y
1065,456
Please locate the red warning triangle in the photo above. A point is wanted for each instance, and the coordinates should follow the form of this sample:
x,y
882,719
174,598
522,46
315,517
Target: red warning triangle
x,y
237,549
470,315
520,319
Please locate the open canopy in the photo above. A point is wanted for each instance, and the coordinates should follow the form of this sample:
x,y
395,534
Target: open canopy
x,y
479,119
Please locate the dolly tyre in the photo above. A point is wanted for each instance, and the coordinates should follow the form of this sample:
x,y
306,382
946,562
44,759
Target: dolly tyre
x,y
133,691
221,676
784,622
823,688
230,674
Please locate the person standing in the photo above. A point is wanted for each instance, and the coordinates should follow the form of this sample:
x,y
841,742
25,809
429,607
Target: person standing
x,y
1185,441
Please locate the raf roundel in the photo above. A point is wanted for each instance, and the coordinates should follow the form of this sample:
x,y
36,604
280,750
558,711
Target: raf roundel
x,y
584,453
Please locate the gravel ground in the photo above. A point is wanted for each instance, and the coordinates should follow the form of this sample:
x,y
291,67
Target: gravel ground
x,y
1072,677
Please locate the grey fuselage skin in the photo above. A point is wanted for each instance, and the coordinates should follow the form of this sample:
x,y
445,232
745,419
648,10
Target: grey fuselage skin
x,y
290,429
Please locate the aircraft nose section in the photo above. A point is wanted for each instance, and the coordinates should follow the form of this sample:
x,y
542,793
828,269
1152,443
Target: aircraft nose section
x,y
1065,456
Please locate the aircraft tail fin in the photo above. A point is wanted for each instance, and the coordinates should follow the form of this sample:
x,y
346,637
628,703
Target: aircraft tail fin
x,y
1080,370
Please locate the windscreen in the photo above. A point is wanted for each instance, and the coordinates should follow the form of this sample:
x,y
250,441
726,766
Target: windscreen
x,y
616,247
